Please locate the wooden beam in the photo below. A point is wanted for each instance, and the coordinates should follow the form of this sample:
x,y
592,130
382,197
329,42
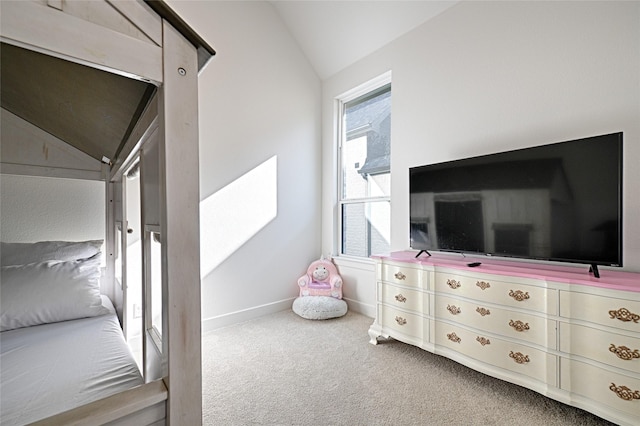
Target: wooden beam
x,y
110,409
48,30
205,51
180,228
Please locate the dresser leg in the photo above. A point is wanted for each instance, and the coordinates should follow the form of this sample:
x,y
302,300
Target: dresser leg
x,y
374,332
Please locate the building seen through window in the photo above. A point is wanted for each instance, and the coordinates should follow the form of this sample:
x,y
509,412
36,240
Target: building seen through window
x,y
365,155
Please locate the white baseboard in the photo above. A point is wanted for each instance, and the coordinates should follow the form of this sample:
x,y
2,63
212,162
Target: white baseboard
x,y
361,308
249,314
244,315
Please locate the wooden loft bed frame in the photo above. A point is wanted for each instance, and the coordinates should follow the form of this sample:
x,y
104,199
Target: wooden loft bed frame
x,y
143,61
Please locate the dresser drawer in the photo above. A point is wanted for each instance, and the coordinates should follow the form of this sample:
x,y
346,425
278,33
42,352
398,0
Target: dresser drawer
x,y
617,391
403,275
403,298
505,322
514,357
402,322
517,295
609,311
614,349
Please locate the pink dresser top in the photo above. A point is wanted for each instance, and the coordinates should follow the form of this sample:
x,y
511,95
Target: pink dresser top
x,y
615,280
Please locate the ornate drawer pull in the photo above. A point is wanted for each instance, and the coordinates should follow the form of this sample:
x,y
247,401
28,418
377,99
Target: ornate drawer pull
x,y
401,321
624,392
454,338
519,295
400,298
519,357
519,325
400,276
483,340
483,311
624,352
453,309
623,314
453,284
483,285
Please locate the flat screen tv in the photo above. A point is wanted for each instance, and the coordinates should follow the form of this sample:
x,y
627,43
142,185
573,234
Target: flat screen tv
x,y
555,202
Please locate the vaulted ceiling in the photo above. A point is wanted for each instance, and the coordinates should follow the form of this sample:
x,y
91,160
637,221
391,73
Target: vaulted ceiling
x,y
332,34
336,34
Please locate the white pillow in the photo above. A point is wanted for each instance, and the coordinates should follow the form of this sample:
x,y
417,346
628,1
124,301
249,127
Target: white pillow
x,y
23,253
40,293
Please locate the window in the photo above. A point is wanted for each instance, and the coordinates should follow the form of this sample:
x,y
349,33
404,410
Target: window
x,y
156,283
364,181
153,284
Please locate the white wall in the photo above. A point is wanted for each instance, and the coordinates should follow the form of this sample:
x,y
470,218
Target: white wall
x,y
484,77
38,209
259,112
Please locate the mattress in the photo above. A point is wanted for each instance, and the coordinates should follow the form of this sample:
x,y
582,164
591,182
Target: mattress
x,y
51,368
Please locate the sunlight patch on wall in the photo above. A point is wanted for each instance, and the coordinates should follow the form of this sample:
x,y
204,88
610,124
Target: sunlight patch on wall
x,y
379,216
237,212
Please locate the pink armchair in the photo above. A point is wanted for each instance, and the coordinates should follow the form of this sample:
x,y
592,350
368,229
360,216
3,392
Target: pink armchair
x,y
321,279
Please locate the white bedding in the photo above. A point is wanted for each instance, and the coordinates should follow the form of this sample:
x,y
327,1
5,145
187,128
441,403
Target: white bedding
x,y
51,368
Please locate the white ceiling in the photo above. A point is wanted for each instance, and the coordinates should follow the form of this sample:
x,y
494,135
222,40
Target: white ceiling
x,y
334,34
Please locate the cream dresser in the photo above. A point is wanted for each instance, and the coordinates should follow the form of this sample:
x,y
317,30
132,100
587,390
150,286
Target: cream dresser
x,y
556,330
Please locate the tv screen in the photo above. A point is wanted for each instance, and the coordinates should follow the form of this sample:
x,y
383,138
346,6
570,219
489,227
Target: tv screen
x,y
558,202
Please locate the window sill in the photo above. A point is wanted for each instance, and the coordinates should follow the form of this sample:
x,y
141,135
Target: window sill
x,y
353,261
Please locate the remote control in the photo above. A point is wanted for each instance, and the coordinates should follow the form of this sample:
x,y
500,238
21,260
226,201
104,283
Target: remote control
x,y
473,264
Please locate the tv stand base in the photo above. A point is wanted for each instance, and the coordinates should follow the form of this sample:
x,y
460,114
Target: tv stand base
x,y
423,251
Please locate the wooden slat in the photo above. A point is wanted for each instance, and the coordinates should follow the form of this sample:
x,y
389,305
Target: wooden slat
x,y
112,408
109,279
150,416
55,4
54,172
143,129
32,25
103,13
28,150
141,15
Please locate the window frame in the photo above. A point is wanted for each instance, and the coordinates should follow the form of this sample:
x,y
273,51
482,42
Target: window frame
x,y
341,101
150,289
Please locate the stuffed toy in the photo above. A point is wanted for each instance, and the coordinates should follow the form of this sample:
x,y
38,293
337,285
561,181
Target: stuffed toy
x,y
321,279
320,292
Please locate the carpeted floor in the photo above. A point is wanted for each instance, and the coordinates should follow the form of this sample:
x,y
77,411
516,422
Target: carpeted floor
x,y
285,370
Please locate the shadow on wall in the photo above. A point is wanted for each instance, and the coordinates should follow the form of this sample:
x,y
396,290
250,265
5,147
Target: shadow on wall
x,y
237,212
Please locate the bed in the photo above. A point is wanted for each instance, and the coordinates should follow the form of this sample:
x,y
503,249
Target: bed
x,y
51,368
61,344
88,89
